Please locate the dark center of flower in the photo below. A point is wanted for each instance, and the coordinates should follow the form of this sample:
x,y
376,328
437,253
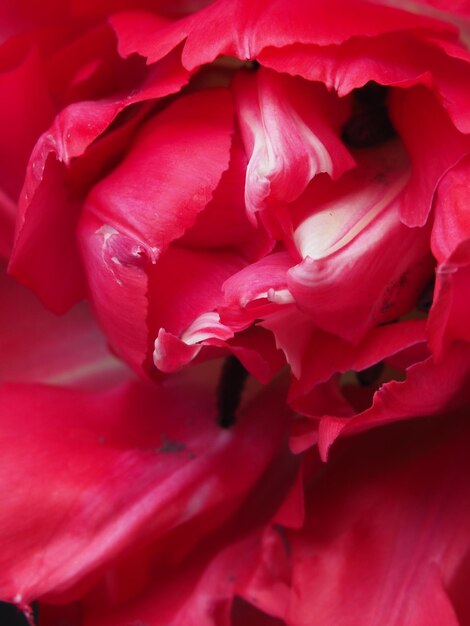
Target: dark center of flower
x,y
252,65
425,299
370,375
229,391
369,124
11,614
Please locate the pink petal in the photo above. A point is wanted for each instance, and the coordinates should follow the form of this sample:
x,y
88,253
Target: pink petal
x,y
40,347
45,256
169,174
7,224
288,131
380,343
186,284
170,353
197,591
434,146
51,197
150,35
402,59
256,350
256,280
361,265
118,282
451,246
386,540
21,86
452,221
87,66
454,6
430,388
224,221
293,331
132,216
242,29
135,449
246,556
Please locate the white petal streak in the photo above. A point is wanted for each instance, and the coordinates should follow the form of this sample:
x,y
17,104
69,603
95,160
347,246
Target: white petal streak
x,y
288,139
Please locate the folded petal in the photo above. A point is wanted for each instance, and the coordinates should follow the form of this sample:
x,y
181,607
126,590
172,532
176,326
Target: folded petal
x,y
185,290
401,59
433,144
324,355
150,199
288,130
451,246
45,253
361,265
430,388
224,222
187,144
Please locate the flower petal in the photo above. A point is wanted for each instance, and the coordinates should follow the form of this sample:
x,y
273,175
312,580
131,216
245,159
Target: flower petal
x,y
387,536
434,146
288,129
361,265
451,246
155,456
133,215
430,388
43,348
45,255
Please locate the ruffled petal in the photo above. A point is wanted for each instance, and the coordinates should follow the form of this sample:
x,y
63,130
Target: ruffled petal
x,y
339,356
401,59
243,29
429,388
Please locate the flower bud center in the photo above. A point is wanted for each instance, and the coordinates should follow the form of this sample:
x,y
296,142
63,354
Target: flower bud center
x,y
370,124
425,299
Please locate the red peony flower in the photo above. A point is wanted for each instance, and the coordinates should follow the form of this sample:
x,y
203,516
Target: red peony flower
x,y
265,205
